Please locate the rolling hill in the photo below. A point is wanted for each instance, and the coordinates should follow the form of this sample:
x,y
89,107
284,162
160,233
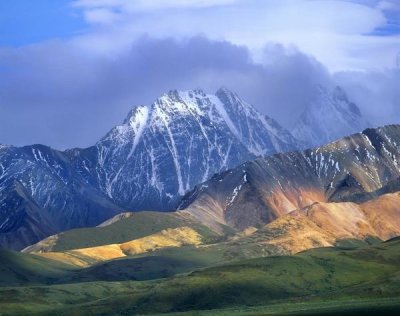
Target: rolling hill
x,y
122,228
331,281
317,225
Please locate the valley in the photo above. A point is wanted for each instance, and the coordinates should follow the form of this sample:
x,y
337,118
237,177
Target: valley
x,y
323,281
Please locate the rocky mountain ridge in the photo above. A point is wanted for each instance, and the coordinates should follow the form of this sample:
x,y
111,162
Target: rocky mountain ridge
x,y
260,191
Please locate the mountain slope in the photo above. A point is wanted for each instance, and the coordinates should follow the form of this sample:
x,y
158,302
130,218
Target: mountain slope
x,y
147,163
328,117
26,269
262,190
328,224
25,222
41,194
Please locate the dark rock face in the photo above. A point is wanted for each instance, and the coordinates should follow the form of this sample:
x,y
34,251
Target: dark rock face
x,y
25,222
147,163
259,191
40,194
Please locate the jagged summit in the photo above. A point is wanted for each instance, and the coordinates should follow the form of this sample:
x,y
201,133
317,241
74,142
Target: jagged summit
x,y
185,137
328,117
224,108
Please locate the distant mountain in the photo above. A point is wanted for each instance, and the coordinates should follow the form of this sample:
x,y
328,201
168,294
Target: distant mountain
x,y
158,154
260,191
328,117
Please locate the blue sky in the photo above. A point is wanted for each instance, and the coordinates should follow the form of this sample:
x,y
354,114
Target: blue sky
x,y
392,27
70,70
25,22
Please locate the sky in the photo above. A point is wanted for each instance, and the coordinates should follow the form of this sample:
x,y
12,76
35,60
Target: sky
x,y
72,69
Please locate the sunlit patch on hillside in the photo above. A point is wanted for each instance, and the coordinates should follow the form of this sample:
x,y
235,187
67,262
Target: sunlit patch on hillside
x,y
176,237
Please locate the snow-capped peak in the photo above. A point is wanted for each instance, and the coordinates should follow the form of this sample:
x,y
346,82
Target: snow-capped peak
x,y
328,117
180,140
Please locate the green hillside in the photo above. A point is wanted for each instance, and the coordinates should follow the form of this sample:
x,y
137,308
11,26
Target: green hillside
x,y
23,269
137,225
331,281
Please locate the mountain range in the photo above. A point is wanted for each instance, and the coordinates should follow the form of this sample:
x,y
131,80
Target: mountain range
x,y
199,202
147,163
281,204
319,255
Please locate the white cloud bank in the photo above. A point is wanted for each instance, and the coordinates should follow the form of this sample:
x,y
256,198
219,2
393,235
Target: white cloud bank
x,y
338,33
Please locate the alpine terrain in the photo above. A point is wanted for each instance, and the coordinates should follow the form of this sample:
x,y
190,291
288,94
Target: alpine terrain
x,y
283,203
326,219
154,157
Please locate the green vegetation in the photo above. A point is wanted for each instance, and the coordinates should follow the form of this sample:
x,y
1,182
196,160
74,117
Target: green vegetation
x,y
141,268
324,281
351,243
138,225
341,307
18,268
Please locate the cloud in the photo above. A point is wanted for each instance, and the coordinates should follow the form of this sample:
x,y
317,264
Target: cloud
x,y
54,94
389,5
71,92
333,31
101,16
144,5
376,92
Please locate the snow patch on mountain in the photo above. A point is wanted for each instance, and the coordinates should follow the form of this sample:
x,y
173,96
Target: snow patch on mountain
x,y
138,124
219,106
